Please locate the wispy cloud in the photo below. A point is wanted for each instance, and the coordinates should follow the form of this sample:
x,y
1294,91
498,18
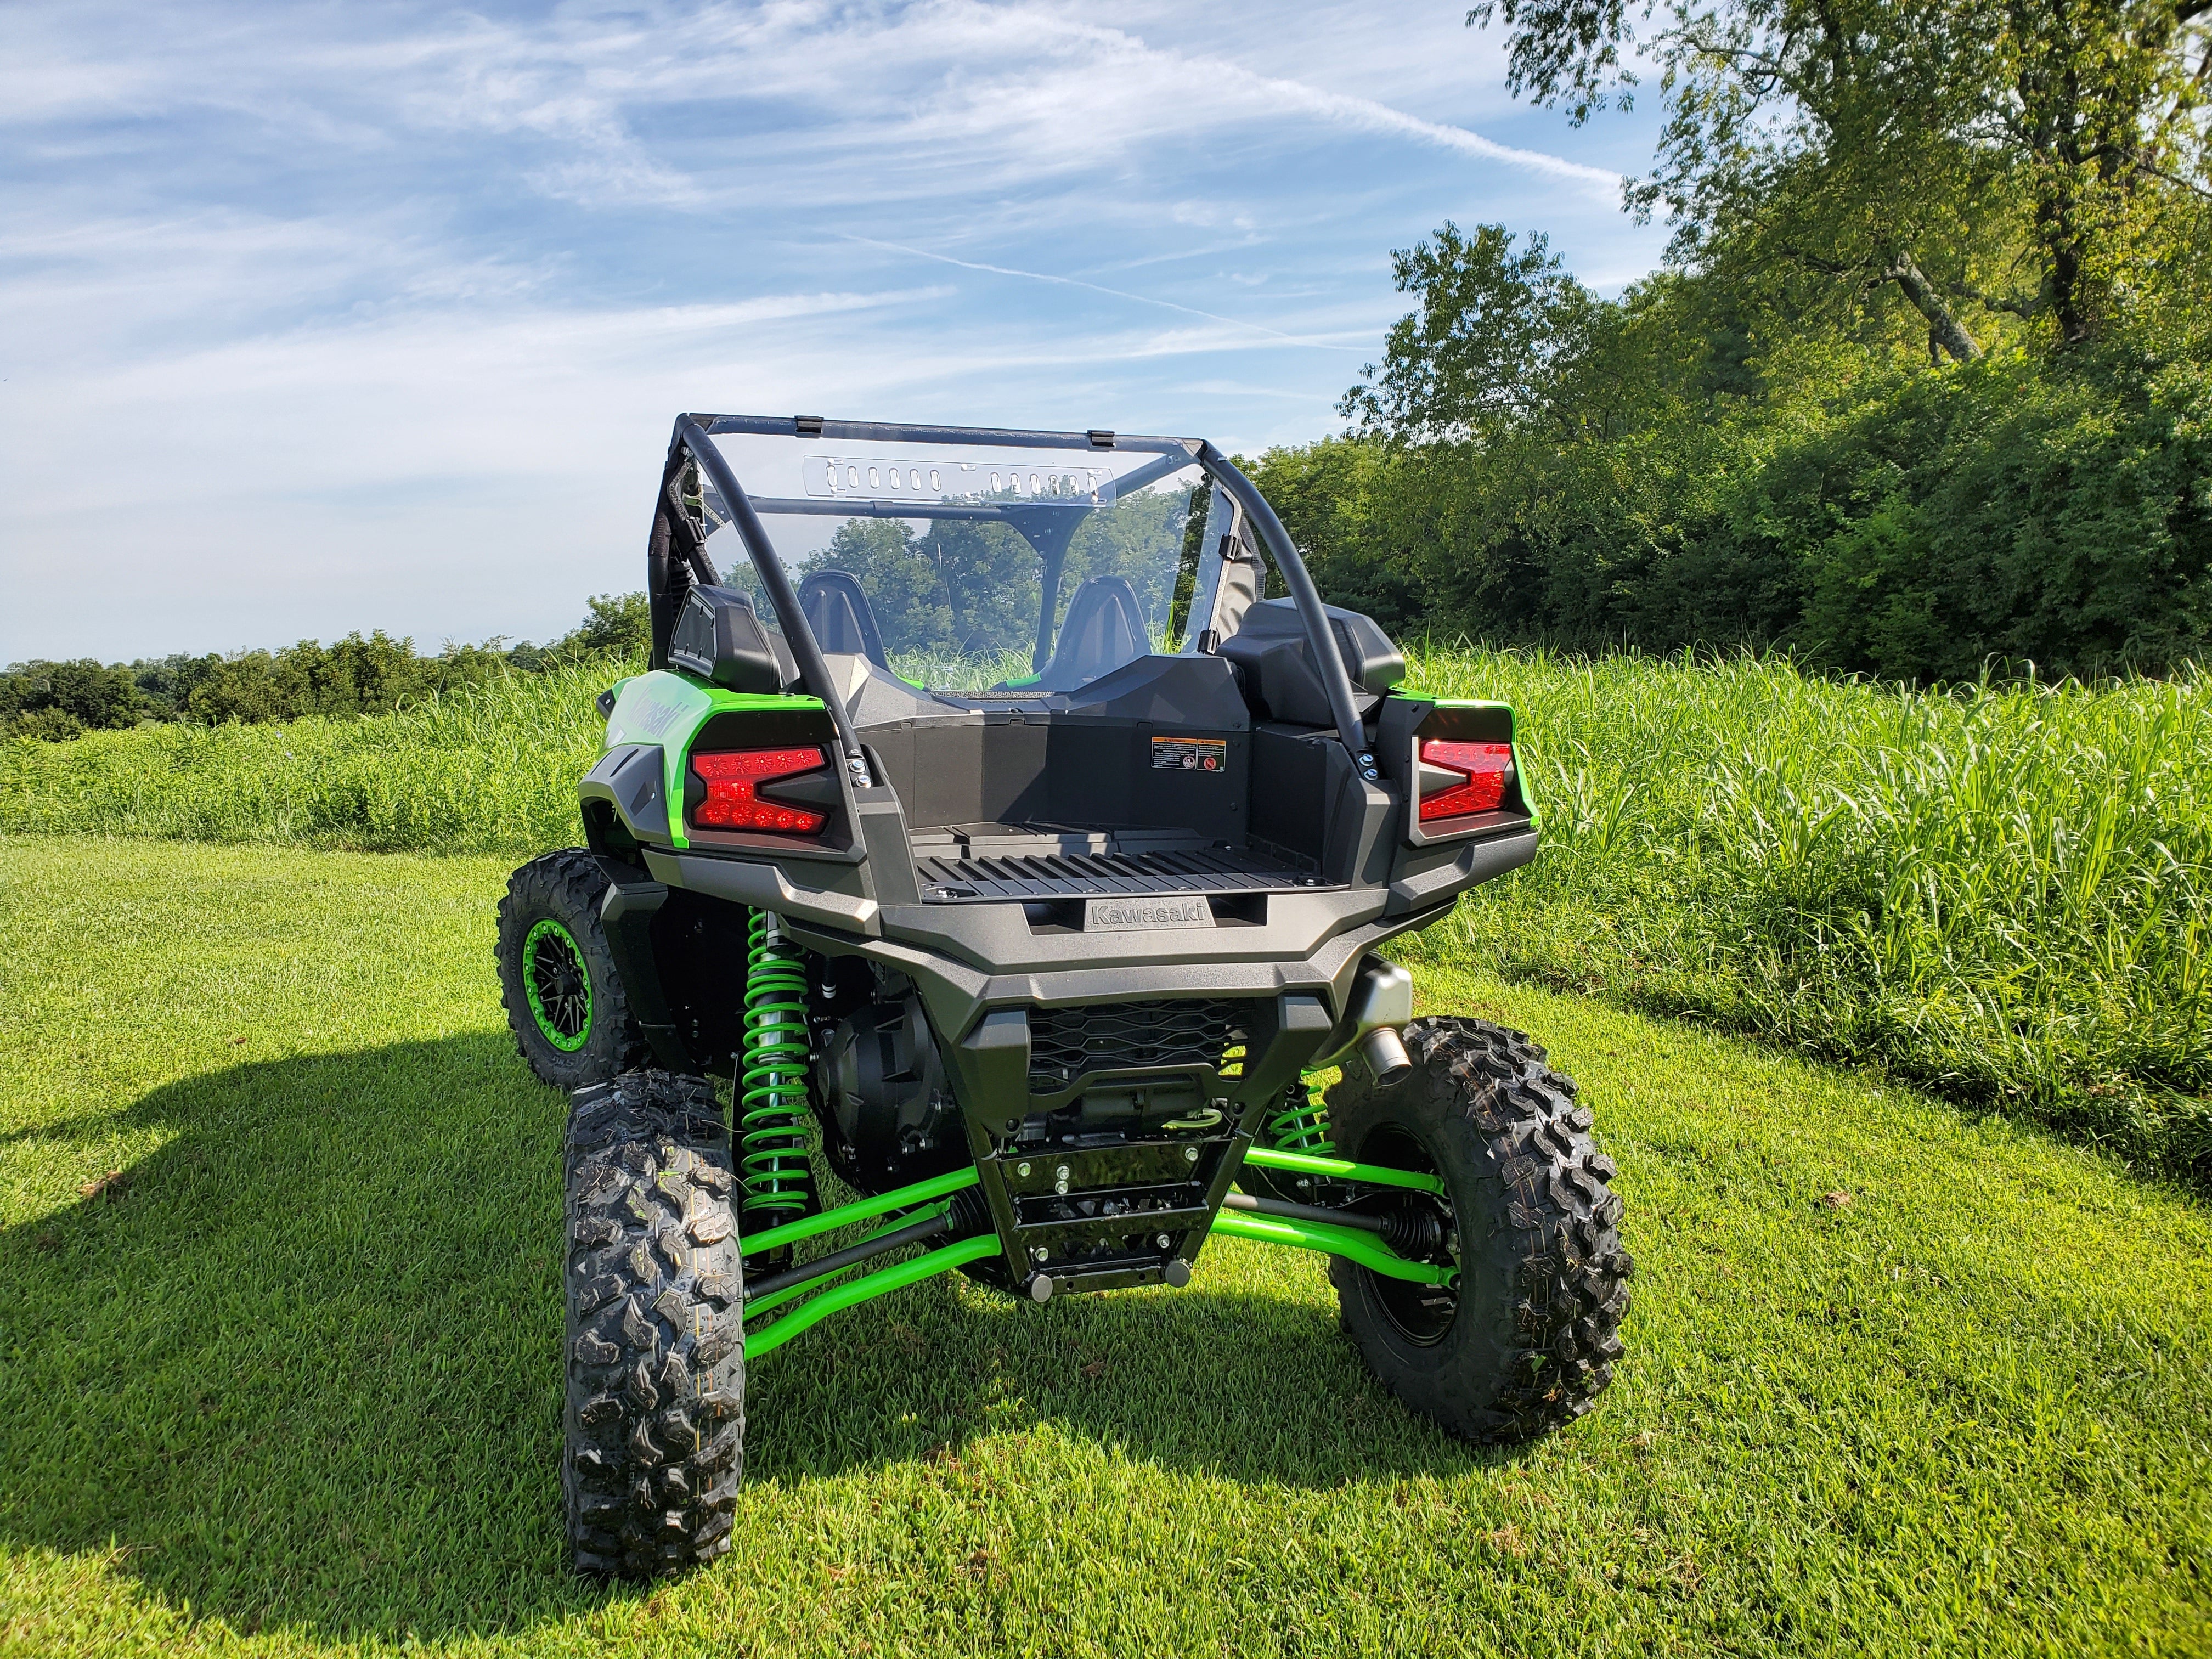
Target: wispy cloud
x,y
1035,87
395,303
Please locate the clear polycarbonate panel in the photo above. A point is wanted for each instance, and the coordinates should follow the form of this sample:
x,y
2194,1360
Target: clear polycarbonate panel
x,y
971,567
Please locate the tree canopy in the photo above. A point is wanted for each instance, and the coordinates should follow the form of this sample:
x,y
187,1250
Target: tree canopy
x,y
2036,158
1923,386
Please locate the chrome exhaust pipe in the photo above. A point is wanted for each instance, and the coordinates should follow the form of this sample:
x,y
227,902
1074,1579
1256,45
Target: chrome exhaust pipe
x,y
1384,1053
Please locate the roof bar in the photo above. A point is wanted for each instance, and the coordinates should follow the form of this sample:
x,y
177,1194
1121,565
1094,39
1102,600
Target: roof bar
x,y
785,426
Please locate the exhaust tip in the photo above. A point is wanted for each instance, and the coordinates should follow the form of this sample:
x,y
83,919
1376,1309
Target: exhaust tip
x,y
1385,1055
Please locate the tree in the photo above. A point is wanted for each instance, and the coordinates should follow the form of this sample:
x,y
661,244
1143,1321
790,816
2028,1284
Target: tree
x,y
2023,156
59,699
957,589
2108,112
966,588
353,676
1478,355
1139,538
617,622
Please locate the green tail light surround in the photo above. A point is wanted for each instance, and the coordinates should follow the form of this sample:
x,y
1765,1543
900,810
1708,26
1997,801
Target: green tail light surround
x,y
669,708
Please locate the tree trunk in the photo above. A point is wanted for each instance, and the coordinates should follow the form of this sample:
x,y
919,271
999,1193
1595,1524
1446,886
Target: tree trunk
x,y
1945,331
2066,296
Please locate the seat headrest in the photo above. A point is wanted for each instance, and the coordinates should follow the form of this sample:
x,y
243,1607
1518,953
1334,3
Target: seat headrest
x,y
1104,628
836,609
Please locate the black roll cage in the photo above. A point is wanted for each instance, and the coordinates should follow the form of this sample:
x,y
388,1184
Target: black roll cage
x,y
675,556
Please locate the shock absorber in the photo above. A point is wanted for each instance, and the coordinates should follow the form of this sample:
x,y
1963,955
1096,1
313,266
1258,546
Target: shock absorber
x,y
775,1131
1300,1123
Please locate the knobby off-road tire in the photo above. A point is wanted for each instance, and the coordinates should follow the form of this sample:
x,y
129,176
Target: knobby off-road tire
x,y
556,977
1531,1335
655,1417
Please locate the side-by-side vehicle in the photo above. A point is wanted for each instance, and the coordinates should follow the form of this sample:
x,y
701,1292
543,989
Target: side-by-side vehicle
x,y
1008,821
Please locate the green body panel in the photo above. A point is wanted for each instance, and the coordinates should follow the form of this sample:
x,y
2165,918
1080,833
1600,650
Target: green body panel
x,y
1455,703
668,707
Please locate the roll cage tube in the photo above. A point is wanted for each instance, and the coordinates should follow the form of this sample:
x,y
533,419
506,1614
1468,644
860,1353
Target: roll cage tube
x,y
676,543
692,435
813,672
1328,662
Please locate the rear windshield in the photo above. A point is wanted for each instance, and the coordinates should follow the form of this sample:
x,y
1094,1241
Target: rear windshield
x,y
970,568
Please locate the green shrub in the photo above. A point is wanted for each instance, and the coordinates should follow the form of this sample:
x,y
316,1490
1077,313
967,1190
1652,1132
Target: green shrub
x,y
1679,468
352,676
48,724
2053,516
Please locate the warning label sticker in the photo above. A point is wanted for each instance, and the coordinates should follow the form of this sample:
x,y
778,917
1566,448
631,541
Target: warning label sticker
x,y
1190,754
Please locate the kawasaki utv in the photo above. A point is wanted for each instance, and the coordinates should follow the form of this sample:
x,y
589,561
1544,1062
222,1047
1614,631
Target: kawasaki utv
x,y
1018,857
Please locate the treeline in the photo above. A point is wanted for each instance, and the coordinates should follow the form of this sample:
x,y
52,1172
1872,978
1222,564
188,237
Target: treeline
x,y
1927,381
1923,390
354,676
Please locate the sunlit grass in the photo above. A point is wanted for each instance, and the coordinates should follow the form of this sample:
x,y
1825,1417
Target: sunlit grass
x,y
950,670
1898,1383
493,768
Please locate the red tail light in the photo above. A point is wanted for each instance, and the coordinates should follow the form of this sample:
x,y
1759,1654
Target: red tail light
x,y
732,778
1482,768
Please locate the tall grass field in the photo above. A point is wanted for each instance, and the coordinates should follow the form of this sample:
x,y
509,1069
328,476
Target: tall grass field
x,y
1999,893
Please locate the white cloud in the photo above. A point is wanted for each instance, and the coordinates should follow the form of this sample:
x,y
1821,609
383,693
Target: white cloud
x,y
1032,86
392,306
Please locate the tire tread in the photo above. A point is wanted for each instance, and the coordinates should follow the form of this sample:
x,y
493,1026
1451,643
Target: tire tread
x,y
654,1417
569,885
1557,1255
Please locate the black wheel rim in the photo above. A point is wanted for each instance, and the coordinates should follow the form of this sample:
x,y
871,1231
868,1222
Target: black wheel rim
x,y
557,985
1421,1314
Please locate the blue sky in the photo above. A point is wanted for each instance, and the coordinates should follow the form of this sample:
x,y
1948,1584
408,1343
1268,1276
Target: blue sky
x,y
317,318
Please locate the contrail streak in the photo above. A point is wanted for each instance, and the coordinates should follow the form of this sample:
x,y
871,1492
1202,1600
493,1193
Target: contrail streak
x,y
1095,288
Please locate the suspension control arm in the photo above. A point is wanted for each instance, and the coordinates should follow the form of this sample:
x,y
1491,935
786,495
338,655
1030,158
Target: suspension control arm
x,y
1368,1223
852,1255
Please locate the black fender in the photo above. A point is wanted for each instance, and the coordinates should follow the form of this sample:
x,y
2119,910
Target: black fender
x,y
623,801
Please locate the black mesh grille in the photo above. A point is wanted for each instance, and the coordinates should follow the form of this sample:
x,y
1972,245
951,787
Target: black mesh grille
x,y
1066,1041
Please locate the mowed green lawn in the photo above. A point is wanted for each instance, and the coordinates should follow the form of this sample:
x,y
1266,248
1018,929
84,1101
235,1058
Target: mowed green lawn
x,y
1898,1382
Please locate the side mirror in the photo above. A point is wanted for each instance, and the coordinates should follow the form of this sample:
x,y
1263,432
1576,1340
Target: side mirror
x,y
718,637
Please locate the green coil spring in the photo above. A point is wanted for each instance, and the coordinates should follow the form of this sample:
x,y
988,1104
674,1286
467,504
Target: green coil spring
x,y
775,1131
1300,1123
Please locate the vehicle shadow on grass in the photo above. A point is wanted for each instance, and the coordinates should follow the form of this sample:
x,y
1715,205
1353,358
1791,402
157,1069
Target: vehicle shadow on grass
x,y
300,1365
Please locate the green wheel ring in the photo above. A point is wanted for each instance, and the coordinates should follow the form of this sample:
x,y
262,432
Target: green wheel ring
x,y
545,932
